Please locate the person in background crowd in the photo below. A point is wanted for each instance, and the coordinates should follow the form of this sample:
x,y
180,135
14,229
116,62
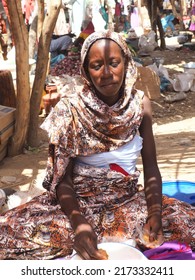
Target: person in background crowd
x,y
6,36
117,14
123,25
62,26
130,8
62,37
60,44
167,23
3,43
104,12
87,28
135,21
192,21
27,9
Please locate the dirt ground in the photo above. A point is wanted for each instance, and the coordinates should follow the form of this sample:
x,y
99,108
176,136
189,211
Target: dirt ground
x,y
174,124
174,130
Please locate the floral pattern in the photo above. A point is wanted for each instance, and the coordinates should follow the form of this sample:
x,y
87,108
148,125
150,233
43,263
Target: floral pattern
x,y
113,203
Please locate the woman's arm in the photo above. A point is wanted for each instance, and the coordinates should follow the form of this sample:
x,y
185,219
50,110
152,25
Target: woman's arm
x,y
152,176
85,242
67,197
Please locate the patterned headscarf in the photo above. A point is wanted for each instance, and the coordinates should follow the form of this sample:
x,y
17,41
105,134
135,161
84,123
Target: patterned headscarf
x,y
114,36
83,124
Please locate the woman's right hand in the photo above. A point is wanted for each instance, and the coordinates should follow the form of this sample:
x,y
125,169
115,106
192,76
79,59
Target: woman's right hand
x,y
85,242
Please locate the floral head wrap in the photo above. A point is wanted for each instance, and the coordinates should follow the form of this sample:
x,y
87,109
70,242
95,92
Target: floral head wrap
x,y
82,124
117,38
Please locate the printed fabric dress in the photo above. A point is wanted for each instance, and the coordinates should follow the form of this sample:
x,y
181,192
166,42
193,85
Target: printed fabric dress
x,y
112,202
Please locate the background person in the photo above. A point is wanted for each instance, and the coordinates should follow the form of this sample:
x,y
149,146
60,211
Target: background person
x,y
117,14
192,21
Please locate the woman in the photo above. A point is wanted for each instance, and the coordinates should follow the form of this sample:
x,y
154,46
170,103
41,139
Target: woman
x,y
192,22
117,14
86,29
96,135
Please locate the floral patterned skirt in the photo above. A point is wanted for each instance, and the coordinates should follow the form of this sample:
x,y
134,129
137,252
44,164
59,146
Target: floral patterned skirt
x,y
114,207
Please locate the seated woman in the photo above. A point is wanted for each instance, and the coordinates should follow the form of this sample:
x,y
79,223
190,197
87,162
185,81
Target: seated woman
x,y
60,44
123,25
87,28
96,135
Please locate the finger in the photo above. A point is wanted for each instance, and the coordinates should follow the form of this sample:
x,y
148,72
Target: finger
x,y
93,255
157,236
82,252
151,232
152,236
87,251
84,255
97,255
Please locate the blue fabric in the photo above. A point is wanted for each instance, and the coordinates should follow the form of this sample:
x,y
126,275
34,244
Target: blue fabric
x,y
56,60
164,83
167,22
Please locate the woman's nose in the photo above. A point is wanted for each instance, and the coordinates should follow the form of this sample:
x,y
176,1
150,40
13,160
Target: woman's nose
x,y
106,70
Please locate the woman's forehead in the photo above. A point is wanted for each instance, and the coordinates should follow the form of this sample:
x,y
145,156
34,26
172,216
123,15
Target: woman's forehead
x,y
115,37
105,43
104,48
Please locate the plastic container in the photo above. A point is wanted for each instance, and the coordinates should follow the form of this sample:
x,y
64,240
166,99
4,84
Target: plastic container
x,y
175,97
2,198
183,38
189,67
182,190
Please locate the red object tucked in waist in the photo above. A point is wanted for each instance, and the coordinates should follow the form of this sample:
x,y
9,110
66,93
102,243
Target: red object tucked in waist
x,y
116,167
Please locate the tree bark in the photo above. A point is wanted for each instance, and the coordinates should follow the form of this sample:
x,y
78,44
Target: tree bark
x,y
33,37
41,69
41,16
153,7
162,33
20,35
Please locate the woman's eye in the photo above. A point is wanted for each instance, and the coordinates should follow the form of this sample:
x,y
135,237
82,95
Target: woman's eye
x,y
96,67
114,64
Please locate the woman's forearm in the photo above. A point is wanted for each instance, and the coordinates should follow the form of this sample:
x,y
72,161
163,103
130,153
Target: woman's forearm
x,y
153,190
69,205
68,200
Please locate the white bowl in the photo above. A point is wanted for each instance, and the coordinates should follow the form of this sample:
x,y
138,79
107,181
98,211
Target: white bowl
x,y
118,251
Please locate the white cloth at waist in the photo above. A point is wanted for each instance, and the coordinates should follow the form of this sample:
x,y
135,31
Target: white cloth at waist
x,y
125,156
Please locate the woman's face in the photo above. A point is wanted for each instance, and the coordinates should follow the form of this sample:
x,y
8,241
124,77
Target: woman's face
x,y
106,68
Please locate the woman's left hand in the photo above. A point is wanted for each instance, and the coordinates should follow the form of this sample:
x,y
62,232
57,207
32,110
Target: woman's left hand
x,y
152,230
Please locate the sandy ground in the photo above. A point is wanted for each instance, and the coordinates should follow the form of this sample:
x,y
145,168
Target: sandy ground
x,y
174,131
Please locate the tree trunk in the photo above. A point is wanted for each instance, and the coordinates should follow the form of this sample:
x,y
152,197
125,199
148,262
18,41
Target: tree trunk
x,y
41,70
162,33
33,37
41,16
20,35
153,7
